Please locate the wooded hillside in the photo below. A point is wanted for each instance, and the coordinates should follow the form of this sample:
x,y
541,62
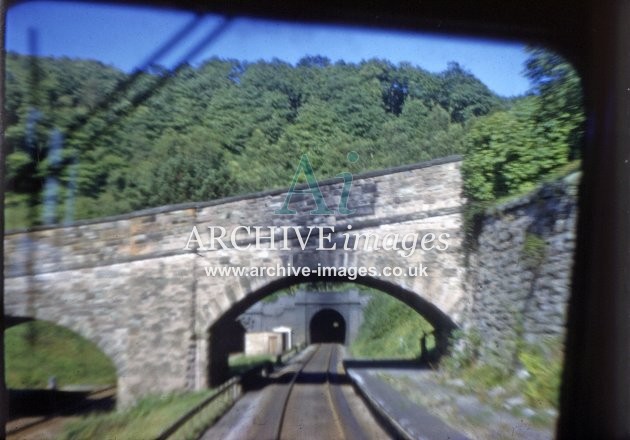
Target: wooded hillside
x,y
87,140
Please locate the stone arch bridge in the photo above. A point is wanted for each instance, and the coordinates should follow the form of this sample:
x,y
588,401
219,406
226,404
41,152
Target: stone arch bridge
x,y
141,285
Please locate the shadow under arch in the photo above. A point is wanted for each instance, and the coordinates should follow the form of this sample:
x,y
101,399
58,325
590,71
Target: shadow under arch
x,y
12,321
218,370
52,369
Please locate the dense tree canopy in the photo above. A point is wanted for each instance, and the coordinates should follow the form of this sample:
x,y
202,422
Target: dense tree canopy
x,y
130,141
510,151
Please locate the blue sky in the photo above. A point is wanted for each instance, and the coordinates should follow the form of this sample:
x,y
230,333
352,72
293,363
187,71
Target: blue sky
x,y
129,37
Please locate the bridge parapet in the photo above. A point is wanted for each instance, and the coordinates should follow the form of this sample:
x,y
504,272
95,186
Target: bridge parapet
x,y
426,190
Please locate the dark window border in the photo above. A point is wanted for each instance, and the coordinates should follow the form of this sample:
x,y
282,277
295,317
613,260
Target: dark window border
x,y
594,35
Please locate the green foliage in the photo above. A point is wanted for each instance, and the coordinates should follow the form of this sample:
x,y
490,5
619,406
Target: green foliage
x,y
543,362
146,420
474,214
186,167
37,350
511,151
17,212
222,128
240,363
390,329
534,250
228,127
464,95
537,138
465,345
483,377
505,156
561,110
151,415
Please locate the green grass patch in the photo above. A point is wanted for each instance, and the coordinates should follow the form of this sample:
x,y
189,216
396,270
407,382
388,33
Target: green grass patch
x,y
480,377
534,250
240,363
37,350
390,329
543,362
151,415
146,420
17,213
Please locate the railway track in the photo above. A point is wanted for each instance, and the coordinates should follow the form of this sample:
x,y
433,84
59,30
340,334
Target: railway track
x,y
312,404
44,427
311,398
315,406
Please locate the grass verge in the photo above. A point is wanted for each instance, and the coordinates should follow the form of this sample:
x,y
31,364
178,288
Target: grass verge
x,y
240,363
147,419
151,415
536,377
38,350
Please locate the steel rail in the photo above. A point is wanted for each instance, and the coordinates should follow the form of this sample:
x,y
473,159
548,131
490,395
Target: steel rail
x,y
285,405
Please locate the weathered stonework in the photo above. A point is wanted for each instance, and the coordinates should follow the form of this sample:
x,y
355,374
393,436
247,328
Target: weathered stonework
x,y
127,284
519,274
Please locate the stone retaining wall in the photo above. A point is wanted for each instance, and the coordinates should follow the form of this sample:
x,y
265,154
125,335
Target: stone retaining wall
x,y
519,274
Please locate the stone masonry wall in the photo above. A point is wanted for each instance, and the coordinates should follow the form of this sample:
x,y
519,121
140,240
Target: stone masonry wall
x,y
128,284
519,275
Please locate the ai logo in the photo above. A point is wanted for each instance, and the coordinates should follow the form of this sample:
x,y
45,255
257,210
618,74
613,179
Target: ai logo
x,y
313,188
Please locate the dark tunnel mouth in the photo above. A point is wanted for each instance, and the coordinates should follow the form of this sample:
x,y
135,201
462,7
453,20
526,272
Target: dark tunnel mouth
x,y
327,325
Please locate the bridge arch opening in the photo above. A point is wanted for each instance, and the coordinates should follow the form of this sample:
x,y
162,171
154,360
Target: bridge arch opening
x,y
44,361
327,325
217,364
44,354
